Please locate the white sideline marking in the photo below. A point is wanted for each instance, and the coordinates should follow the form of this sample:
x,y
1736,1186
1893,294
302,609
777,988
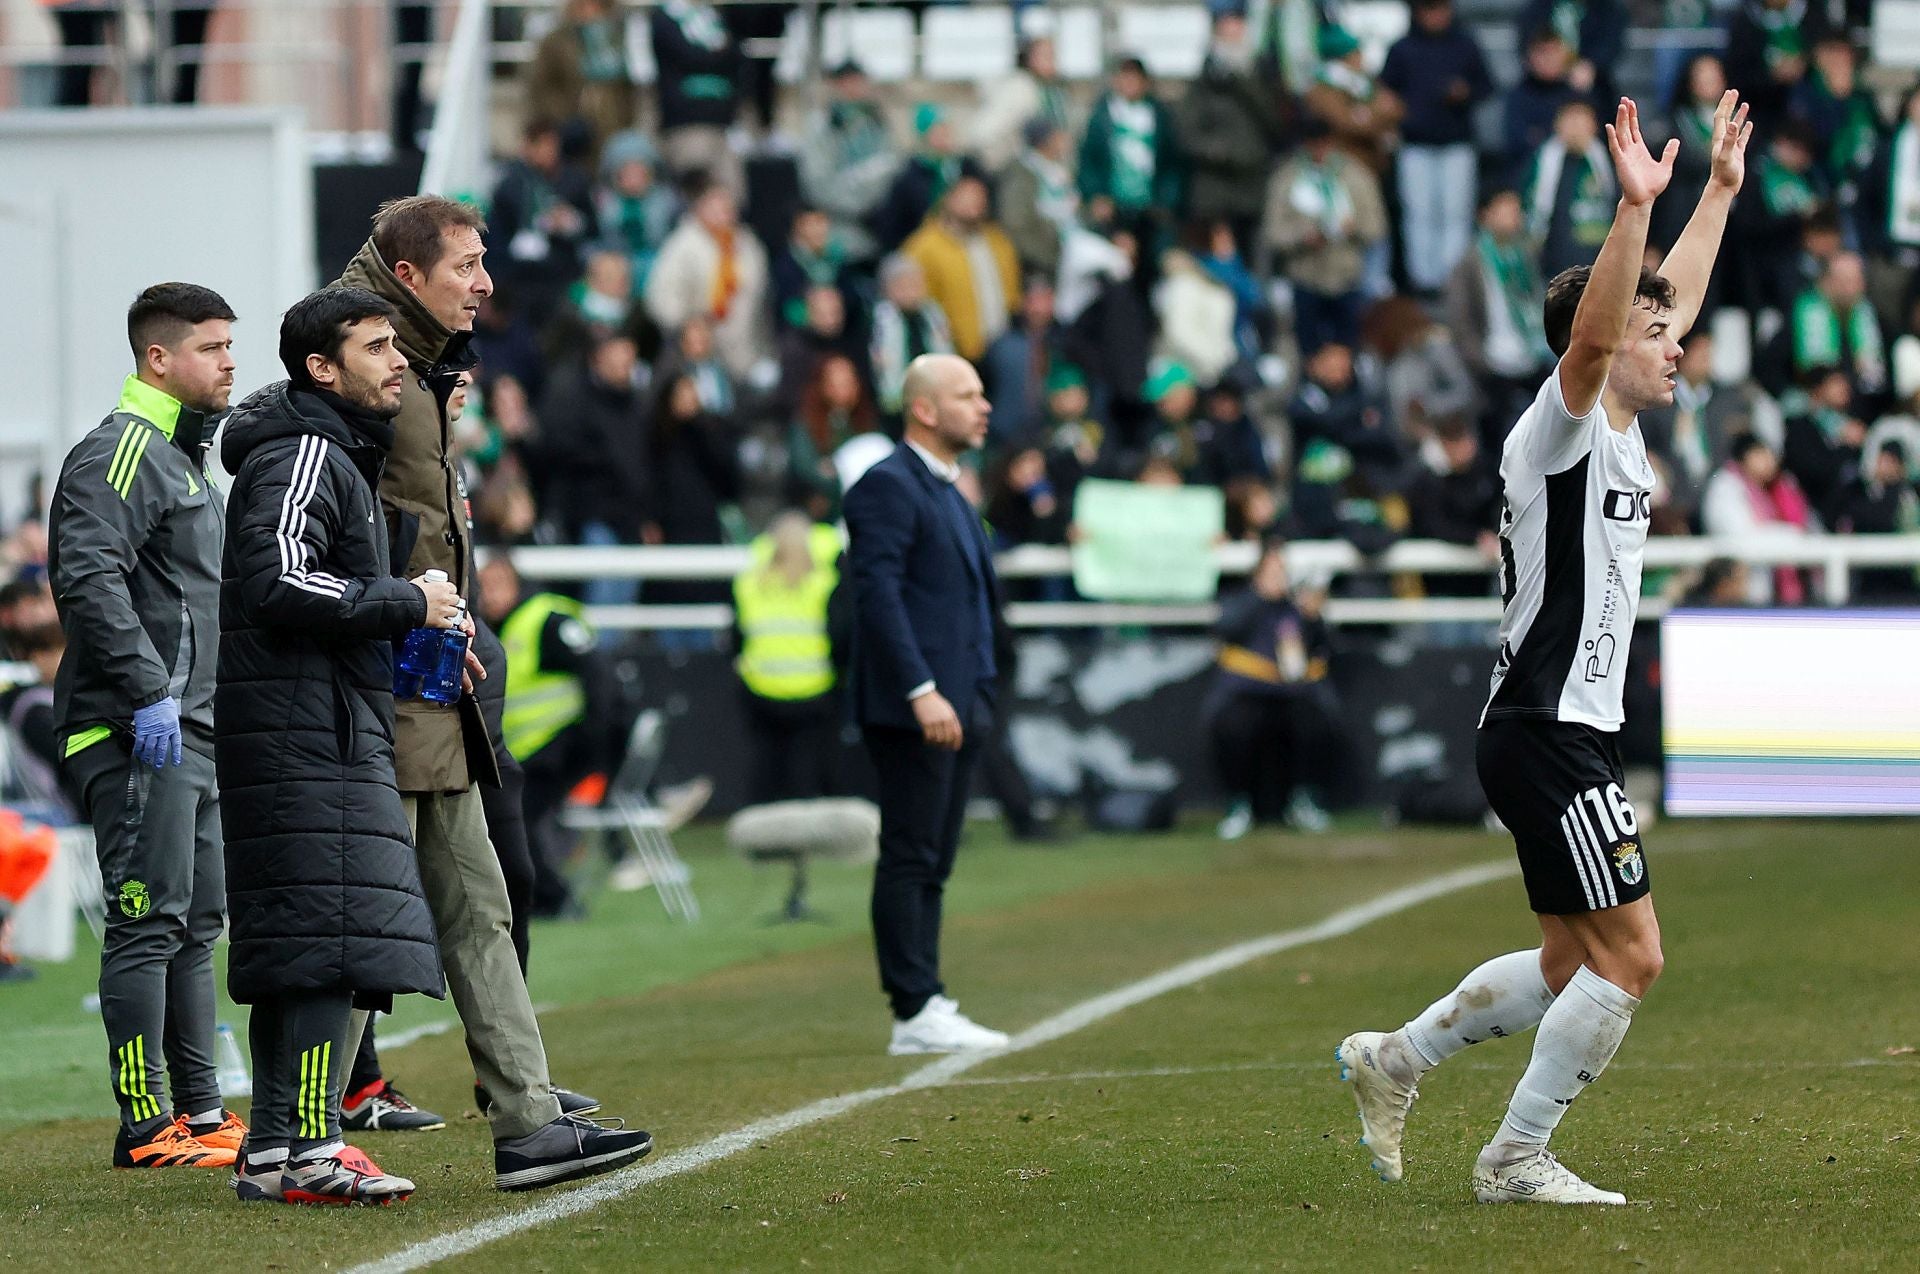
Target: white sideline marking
x,y
933,1075
426,1030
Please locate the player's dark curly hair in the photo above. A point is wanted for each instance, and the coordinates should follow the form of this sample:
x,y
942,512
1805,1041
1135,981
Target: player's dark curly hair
x,y
1568,286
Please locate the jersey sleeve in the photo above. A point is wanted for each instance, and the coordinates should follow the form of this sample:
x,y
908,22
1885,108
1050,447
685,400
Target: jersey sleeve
x,y
1553,437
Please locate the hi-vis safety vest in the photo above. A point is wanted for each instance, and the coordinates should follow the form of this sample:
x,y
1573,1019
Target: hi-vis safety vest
x,y
540,703
785,652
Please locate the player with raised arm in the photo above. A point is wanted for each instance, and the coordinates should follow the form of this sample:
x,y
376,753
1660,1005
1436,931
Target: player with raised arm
x,y
1578,487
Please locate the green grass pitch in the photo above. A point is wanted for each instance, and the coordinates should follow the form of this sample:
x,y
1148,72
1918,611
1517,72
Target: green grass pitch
x,y
1763,1114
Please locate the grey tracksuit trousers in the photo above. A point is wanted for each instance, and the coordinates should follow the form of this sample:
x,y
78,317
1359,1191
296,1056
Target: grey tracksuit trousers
x,y
157,833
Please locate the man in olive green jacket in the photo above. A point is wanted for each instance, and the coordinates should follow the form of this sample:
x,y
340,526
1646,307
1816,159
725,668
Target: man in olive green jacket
x,y
425,257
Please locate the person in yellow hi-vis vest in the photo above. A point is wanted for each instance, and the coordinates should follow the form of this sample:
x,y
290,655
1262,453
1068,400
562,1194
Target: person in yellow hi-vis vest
x,y
559,721
782,604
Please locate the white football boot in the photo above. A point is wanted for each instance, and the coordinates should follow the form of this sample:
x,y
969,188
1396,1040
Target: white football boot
x,y
941,1027
1534,1178
1383,1100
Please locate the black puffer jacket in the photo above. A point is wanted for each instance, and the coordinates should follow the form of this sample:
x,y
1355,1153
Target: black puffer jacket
x,y
322,886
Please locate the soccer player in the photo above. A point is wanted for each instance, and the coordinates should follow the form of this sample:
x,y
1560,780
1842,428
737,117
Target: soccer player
x,y
1577,490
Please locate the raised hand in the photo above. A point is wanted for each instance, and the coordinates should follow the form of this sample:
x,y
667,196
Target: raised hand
x,y
1731,129
1642,177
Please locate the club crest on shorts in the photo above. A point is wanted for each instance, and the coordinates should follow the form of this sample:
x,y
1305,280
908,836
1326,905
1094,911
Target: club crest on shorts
x,y
1627,862
134,900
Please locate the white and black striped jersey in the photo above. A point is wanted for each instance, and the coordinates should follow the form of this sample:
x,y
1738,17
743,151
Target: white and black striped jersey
x,y
1572,538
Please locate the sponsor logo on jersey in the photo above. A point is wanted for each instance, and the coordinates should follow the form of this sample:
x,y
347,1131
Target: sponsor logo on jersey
x,y
1627,506
1600,658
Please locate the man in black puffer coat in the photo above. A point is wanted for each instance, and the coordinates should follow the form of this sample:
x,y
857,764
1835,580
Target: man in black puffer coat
x,y
323,891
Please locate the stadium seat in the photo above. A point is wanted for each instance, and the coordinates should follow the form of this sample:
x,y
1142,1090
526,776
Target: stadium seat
x,y
1170,39
882,41
967,43
1376,24
1896,34
1079,41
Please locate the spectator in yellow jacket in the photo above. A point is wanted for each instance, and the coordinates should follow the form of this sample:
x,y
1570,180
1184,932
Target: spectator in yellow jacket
x,y
972,271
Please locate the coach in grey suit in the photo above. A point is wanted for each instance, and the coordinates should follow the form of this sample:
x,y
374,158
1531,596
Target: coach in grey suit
x,y
922,665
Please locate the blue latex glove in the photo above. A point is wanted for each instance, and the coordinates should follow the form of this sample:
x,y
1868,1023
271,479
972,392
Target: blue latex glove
x,y
156,733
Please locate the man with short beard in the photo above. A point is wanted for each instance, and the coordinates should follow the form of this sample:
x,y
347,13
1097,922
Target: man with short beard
x,y
425,260
134,559
328,915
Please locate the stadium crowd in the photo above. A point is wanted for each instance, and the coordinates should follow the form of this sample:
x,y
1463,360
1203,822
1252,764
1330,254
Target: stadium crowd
x,y
1295,278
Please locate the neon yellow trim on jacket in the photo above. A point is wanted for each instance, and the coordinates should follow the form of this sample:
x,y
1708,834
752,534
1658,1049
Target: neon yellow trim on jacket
x,y
84,739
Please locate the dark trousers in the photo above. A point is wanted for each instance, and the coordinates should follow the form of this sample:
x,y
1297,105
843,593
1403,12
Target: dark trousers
x,y
548,780
1321,318
507,829
157,836
298,1045
795,747
1264,746
1001,774
923,798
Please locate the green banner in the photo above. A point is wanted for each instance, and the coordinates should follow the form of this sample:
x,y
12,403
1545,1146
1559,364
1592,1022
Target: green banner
x,y
1139,543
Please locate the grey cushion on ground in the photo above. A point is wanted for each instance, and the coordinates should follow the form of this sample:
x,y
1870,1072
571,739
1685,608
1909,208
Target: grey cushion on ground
x,y
846,829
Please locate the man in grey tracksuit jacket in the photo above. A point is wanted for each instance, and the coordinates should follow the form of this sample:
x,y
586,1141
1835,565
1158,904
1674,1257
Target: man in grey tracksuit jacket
x,y
134,557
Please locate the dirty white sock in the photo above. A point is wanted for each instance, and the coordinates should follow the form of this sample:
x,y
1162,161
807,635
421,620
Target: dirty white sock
x,y
1578,1037
1505,996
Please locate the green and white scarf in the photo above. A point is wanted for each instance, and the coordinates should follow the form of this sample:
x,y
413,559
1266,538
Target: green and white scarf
x,y
1319,194
1694,125
602,59
1133,146
1784,36
1513,283
700,23
1355,84
1856,141
1903,187
1817,335
1288,31
1565,21
1785,192
1590,214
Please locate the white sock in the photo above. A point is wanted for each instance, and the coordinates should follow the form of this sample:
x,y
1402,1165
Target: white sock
x,y
1578,1037
322,1150
214,1116
1505,996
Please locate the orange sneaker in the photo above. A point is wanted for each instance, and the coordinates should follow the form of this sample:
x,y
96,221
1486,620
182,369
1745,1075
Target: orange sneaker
x,y
169,1146
228,1136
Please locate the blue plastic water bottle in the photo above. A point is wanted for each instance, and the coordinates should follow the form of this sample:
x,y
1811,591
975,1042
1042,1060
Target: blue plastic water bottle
x,y
419,656
443,684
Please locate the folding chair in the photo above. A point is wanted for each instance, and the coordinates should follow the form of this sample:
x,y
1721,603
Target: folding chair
x,y
628,809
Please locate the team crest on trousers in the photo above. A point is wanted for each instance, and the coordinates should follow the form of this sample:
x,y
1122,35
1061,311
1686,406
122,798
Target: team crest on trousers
x,y
1627,862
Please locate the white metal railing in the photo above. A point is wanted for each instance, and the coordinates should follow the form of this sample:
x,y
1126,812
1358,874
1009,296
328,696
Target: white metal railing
x,y
1833,555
